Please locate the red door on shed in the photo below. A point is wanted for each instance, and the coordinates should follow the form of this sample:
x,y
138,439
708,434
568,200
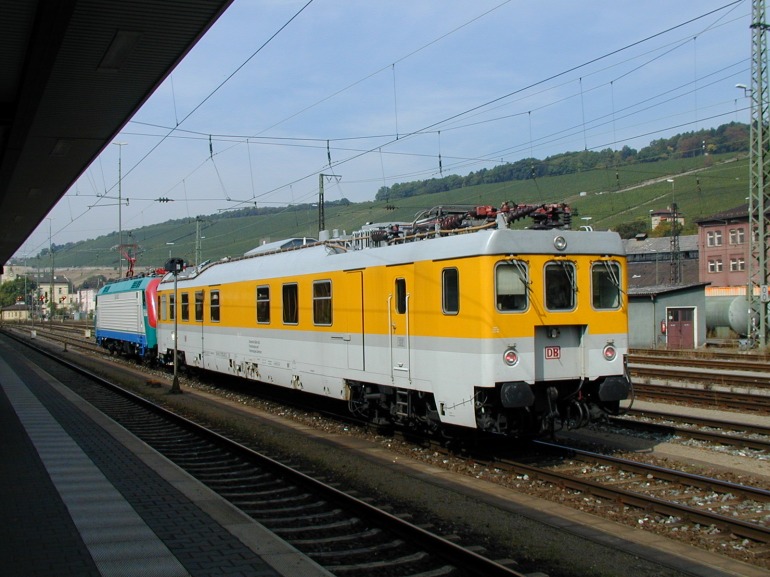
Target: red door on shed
x,y
680,328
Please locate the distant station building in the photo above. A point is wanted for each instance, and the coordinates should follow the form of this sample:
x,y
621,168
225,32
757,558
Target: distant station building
x,y
663,314
723,243
17,313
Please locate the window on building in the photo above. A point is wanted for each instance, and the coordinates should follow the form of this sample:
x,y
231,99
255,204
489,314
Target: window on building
x,y
737,236
263,304
511,284
185,307
322,302
714,238
737,264
450,291
214,310
199,306
290,304
605,285
715,265
560,285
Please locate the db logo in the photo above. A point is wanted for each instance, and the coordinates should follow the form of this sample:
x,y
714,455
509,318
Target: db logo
x,y
552,353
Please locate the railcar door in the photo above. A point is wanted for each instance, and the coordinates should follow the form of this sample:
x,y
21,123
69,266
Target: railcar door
x,y
399,318
354,301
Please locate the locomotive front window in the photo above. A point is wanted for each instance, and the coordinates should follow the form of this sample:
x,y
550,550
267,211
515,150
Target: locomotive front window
x,y
450,287
290,304
560,286
263,304
199,306
605,285
185,307
214,311
322,302
511,286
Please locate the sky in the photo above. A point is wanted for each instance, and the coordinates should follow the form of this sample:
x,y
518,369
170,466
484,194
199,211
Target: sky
x,y
280,91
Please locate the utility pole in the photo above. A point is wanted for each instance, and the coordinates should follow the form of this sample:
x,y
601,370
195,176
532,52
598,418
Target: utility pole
x,y
120,146
321,217
50,294
198,243
759,203
675,276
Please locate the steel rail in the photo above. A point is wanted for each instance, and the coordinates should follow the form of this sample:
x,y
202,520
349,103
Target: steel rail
x,y
463,558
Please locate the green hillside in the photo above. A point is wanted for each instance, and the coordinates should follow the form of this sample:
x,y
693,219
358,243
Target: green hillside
x,y
603,197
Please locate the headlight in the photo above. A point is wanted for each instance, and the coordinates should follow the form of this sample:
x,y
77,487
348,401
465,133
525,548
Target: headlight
x,y
560,243
511,357
609,353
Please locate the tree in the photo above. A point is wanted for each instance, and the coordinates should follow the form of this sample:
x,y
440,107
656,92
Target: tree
x,y
13,291
632,228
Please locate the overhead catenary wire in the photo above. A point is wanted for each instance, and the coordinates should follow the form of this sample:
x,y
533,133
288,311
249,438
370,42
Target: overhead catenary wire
x,y
462,114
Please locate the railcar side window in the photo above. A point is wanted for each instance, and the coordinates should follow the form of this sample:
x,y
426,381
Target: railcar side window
x,y
290,304
199,306
322,302
511,286
560,285
162,307
171,307
605,285
263,304
400,296
450,291
214,306
185,307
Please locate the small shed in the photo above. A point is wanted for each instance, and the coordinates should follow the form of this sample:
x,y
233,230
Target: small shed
x,y
667,316
15,313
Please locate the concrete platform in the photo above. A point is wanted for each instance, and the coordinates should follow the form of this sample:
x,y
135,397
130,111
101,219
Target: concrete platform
x,y
80,496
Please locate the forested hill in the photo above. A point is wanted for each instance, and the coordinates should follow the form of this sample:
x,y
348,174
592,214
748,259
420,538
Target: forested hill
x,y
733,137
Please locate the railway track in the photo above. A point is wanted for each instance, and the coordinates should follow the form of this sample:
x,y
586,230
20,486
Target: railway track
x,y
346,535
603,491
709,430
699,396
683,497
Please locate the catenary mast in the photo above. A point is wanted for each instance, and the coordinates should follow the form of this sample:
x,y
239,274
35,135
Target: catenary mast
x,y
759,156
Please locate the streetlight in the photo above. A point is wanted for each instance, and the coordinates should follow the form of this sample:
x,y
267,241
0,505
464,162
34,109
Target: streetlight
x,y
120,146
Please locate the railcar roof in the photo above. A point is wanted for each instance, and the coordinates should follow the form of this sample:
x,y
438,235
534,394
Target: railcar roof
x,y
126,285
325,258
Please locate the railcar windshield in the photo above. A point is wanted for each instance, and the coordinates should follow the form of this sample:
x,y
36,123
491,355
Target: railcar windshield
x,y
605,285
511,284
560,285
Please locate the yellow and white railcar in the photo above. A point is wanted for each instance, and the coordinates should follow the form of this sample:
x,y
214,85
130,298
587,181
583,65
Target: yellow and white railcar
x,y
500,330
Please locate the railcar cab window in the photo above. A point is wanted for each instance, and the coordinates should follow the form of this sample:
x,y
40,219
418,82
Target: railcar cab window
x,y
322,302
263,304
185,307
214,310
199,306
290,304
511,282
162,307
401,296
560,285
605,285
450,291
171,307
